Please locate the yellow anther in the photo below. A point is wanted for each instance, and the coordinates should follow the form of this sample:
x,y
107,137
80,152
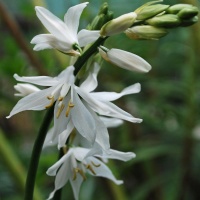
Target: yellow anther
x,y
90,168
60,98
96,165
77,170
60,109
65,149
70,105
51,103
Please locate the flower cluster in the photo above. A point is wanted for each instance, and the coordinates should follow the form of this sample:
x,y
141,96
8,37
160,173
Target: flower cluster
x,y
81,115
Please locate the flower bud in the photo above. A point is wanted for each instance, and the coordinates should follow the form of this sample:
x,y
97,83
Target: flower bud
x,y
178,7
145,32
164,21
147,12
124,59
118,25
189,22
187,13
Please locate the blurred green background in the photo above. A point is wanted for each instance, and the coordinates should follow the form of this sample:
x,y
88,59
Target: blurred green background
x,y
167,143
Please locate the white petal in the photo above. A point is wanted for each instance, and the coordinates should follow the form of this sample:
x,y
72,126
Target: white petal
x,y
34,101
76,184
72,18
25,89
82,119
52,23
102,136
111,122
80,153
37,80
48,140
103,171
119,155
91,83
128,60
86,37
62,138
42,46
107,108
111,96
64,159
43,38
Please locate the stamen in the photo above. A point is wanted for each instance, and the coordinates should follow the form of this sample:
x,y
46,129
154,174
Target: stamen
x,y
90,168
51,103
70,105
77,170
60,109
60,98
65,149
96,165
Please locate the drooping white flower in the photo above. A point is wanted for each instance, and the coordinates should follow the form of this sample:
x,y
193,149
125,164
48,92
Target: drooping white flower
x,y
75,164
124,59
63,36
73,112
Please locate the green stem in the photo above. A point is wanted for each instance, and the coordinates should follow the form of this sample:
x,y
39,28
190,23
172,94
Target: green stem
x,y
30,181
86,55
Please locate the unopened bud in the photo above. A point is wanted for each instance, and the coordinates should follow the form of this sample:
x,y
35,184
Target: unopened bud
x,y
189,22
178,7
149,11
145,32
118,25
187,13
164,21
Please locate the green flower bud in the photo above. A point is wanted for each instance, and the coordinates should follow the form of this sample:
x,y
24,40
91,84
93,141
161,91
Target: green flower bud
x,y
104,8
150,11
118,25
164,21
145,32
178,7
187,13
189,22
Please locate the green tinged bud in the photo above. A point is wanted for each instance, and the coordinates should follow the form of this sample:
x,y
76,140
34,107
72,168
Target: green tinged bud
x,y
103,17
187,13
118,25
145,32
164,21
189,22
149,11
178,7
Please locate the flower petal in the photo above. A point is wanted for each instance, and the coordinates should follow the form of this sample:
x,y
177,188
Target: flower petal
x,y
72,17
76,184
34,101
37,80
102,170
111,96
107,108
86,37
118,155
62,138
125,60
82,119
52,23
64,159
111,122
90,82
25,89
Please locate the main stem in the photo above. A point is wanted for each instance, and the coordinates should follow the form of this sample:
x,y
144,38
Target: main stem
x,y
30,181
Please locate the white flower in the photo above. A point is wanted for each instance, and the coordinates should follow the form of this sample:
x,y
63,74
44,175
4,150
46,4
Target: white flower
x,y
124,59
25,89
72,112
75,163
63,35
